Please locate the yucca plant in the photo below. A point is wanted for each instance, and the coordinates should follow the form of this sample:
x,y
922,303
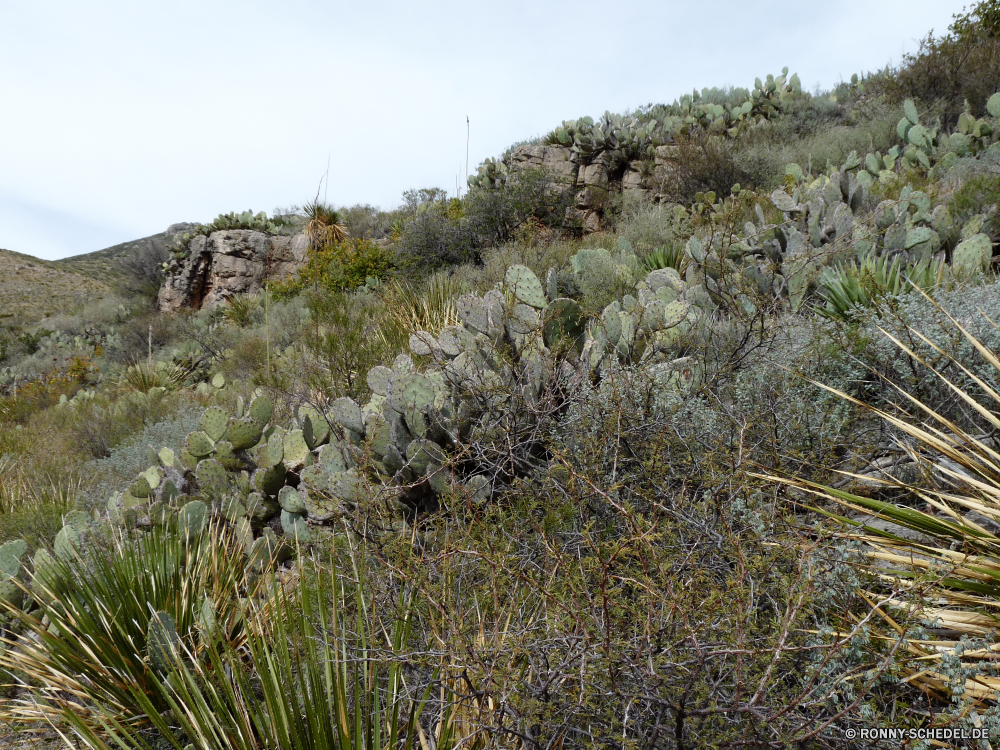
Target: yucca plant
x,y
32,505
326,225
88,653
848,288
428,307
301,681
240,308
144,375
949,576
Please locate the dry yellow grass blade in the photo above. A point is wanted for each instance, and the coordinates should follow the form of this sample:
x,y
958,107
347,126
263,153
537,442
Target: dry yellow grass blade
x,y
949,575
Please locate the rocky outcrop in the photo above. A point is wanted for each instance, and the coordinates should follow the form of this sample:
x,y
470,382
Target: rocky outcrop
x,y
593,181
230,262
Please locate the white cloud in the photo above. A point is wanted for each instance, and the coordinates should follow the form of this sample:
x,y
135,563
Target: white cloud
x,y
120,118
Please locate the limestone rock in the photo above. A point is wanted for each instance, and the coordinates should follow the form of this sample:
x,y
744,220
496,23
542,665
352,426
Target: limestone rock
x,y
595,175
556,160
230,262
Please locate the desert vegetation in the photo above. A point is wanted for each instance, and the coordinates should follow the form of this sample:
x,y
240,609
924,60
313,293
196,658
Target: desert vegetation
x,y
724,473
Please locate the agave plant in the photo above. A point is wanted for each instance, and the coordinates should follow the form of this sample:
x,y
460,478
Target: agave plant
x,y
144,375
948,573
665,256
848,288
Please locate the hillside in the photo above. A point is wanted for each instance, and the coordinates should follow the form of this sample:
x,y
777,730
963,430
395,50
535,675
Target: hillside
x,y
678,430
31,288
118,260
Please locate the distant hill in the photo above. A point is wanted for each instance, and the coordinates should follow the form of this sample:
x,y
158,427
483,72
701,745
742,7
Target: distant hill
x,y
32,288
111,263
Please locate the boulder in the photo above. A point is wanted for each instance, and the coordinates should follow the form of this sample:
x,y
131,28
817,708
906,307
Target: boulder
x,y
230,262
556,160
595,175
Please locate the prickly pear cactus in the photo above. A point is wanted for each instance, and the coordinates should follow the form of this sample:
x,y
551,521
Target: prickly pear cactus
x,y
10,566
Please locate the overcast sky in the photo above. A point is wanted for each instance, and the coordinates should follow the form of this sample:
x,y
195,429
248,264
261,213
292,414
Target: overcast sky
x,y
120,118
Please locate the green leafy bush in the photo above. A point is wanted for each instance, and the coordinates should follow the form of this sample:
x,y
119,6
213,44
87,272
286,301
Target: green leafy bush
x,y
979,195
339,266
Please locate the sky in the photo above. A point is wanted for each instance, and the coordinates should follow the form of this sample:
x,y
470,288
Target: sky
x,y
119,118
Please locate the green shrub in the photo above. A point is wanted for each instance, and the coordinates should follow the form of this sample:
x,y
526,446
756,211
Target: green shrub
x,y
706,163
338,266
129,454
603,277
647,226
979,195
347,339
434,238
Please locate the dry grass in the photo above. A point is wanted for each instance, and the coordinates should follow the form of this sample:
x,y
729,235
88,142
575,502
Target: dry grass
x,y
31,289
947,576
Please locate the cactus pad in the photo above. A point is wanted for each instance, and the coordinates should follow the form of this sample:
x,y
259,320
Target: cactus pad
x,y
295,526
272,452
314,477
346,485
423,344
212,476
243,433
162,641
449,341
315,428
269,480
495,309
675,313
973,253
140,487
218,381
330,459
232,509
10,556
781,200
10,565
522,281
290,500
167,457
199,444
225,455
379,379
260,508
418,392
402,364
213,422
522,319
419,453
611,324
296,449
479,489
192,519
160,513
346,412
260,410
472,311
563,320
